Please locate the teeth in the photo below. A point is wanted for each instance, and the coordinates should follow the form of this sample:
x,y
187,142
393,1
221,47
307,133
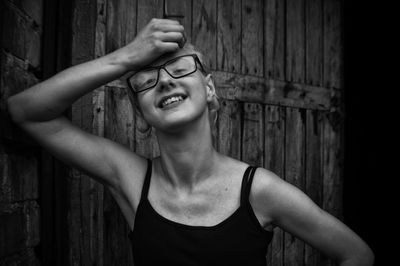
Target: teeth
x,y
171,100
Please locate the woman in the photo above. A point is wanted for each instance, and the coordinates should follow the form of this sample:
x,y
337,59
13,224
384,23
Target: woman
x,y
191,205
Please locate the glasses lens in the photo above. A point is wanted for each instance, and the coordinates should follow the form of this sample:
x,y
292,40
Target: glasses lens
x,y
181,66
144,79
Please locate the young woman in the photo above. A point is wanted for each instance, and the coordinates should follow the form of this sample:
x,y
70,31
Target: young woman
x,y
191,205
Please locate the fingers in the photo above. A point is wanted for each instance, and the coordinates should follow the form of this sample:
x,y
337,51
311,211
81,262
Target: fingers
x,y
178,37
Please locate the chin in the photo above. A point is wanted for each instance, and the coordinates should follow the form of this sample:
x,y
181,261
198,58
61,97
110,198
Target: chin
x,y
176,122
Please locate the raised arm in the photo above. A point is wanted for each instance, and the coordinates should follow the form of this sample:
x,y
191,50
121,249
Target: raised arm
x,y
284,205
38,110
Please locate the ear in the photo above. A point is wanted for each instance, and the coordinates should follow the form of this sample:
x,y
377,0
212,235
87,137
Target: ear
x,y
210,87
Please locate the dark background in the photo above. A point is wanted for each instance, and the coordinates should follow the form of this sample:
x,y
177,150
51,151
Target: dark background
x,y
369,128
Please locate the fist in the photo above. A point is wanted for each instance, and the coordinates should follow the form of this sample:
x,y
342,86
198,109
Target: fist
x,y
159,36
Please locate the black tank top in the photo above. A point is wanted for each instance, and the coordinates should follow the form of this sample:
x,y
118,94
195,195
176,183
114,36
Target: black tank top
x,y
238,240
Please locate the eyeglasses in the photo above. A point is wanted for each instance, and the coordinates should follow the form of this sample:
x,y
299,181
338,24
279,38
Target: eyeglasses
x,y
178,67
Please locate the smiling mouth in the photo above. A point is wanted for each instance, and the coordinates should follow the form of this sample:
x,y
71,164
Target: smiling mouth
x,y
172,99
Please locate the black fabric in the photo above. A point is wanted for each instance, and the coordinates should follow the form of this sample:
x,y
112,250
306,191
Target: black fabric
x,y
238,240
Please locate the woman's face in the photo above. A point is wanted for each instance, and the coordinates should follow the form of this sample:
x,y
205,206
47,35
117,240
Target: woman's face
x,y
173,103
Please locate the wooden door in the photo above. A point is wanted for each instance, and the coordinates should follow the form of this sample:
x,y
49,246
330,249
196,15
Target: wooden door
x,y
278,69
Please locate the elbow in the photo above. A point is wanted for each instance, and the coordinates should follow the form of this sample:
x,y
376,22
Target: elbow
x,y
365,257
14,110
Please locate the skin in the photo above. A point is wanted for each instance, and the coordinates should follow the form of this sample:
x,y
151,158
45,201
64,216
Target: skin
x,y
192,183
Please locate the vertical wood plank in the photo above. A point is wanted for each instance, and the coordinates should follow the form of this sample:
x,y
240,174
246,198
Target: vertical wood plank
x,y
333,46
148,9
120,127
181,8
82,205
313,175
332,167
145,139
98,96
229,128
253,134
332,163
204,33
228,43
295,41
120,122
294,174
121,23
252,38
314,42
274,61
274,161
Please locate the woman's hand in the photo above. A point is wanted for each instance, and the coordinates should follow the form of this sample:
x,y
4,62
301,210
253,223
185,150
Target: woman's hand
x,y
159,36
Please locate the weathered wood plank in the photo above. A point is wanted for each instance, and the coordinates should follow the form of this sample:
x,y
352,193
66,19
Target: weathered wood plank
x,y
313,177
22,36
180,10
18,176
19,226
333,44
256,89
121,23
25,257
332,163
274,159
228,43
295,41
204,32
148,9
274,61
83,193
253,134
229,128
314,42
332,169
252,38
294,174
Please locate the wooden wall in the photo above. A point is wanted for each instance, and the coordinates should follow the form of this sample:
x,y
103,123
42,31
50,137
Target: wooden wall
x,y
278,67
20,55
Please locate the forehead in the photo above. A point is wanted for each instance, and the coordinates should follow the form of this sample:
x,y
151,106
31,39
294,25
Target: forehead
x,y
168,56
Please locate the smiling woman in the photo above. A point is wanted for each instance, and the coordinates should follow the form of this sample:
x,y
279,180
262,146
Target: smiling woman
x,y
191,205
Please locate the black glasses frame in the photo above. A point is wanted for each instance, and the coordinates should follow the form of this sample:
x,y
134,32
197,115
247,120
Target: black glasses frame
x,y
158,68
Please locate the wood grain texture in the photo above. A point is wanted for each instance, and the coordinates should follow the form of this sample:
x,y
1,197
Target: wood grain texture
x,y
333,44
332,167
146,10
256,89
253,137
252,38
82,213
274,160
313,176
204,32
180,10
121,23
314,42
294,174
229,128
295,41
229,36
274,34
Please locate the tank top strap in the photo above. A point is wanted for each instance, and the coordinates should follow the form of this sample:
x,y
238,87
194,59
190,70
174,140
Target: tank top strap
x,y
246,185
146,183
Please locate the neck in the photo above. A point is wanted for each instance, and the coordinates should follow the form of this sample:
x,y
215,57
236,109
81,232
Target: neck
x,y
187,158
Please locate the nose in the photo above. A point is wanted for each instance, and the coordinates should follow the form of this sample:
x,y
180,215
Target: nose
x,y
165,81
